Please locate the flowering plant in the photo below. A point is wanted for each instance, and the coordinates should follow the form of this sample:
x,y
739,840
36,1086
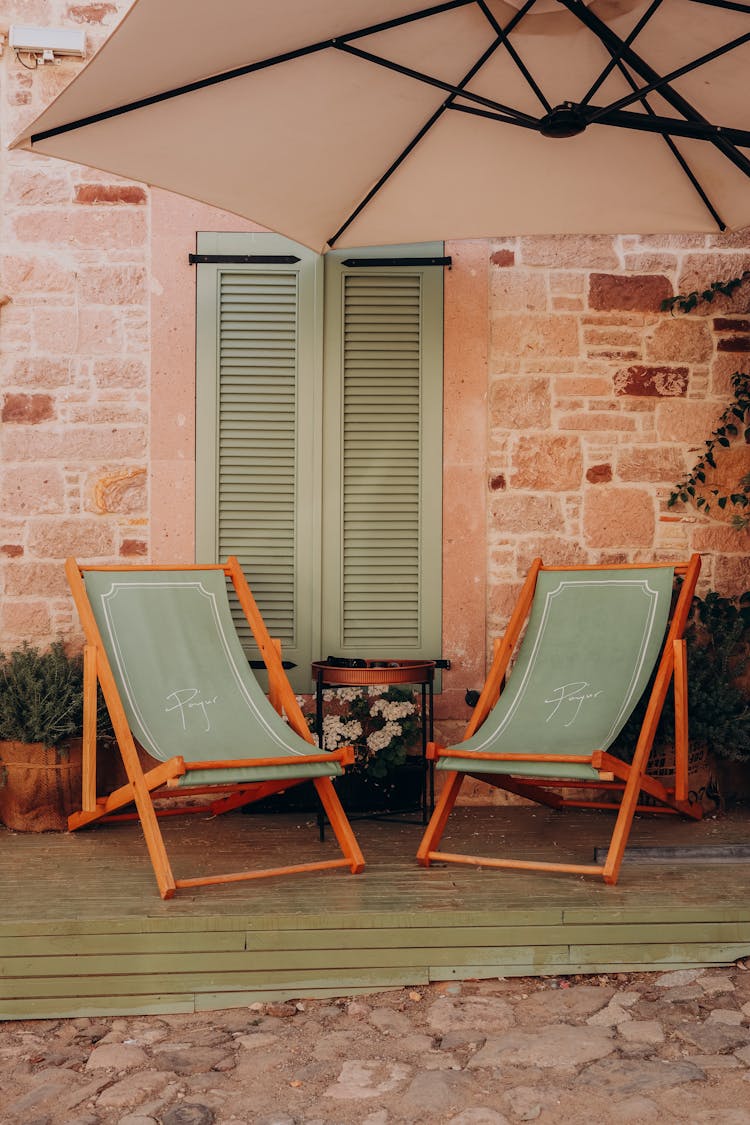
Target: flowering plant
x,y
381,725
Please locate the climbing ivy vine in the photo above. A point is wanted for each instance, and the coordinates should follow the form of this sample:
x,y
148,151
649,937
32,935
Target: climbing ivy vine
x,y
733,424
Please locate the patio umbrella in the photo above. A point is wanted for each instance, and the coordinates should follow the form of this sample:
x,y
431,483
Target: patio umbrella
x,y
363,122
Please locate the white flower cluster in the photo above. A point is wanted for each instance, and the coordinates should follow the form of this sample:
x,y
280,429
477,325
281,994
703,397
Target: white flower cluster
x,y
392,709
342,694
337,733
379,739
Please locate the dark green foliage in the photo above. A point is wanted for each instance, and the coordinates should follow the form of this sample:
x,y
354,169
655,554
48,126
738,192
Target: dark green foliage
x,y
686,302
718,640
41,696
733,423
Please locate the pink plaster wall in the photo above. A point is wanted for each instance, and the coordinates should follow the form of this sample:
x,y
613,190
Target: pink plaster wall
x,y
174,224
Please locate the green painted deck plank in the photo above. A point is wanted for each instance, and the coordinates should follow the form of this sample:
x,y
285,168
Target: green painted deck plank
x,y
84,944
261,963
69,1007
208,981
36,950
658,954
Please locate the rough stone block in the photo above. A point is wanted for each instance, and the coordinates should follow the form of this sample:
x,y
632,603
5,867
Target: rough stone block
x,y
652,382
524,513
111,193
27,188
29,579
24,274
639,292
55,330
597,420
730,575
518,403
114,285
24,619
39,371
120,373
31,490
533,334
681,340
547,462
734,344
27,409
618,518
599,474
685,420
134,548
123,491
99,331
699,270
650,463
583,251
583,386
521,290
58,538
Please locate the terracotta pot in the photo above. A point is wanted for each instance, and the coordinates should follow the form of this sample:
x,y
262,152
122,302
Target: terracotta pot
x,y
39,785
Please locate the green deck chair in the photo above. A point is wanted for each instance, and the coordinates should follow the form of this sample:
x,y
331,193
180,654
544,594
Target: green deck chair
x,y
595,638
162,643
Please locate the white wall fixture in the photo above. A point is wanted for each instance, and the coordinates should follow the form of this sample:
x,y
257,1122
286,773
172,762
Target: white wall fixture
x,y
46,43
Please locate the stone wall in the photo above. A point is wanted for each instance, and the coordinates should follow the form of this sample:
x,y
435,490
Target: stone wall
x,y
74,350
599,403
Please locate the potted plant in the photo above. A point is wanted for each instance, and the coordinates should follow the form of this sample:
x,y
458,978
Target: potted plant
x,y
718,648
383,725
41,714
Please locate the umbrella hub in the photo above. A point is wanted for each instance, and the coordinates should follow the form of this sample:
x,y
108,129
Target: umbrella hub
x,y
564,120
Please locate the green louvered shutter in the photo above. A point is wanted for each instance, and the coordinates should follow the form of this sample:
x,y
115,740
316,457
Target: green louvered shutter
x,y
383,460
255,472
318,445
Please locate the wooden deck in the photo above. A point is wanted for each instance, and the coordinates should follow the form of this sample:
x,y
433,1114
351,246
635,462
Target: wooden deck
x,y
83,930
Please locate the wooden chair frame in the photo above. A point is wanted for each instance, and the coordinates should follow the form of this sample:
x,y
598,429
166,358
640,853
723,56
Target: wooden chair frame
x,y
161,780
615,775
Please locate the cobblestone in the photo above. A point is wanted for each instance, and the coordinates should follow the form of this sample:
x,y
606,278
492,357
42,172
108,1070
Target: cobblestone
x,y
625,1048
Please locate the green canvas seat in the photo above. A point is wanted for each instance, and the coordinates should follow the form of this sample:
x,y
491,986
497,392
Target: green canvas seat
x,y
163,645
594,639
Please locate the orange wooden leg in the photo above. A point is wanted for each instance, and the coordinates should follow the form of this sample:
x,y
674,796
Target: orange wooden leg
x,y
680,721
339,823
443,808
88,764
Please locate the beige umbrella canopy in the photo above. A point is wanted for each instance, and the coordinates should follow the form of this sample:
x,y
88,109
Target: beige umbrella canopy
x,y
365,122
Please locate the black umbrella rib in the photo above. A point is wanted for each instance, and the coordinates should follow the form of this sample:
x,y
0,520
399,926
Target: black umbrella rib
x,y
616,58
672,126
642,68
700,190
475,111
241,71
438,83
503,37
732,5
657,85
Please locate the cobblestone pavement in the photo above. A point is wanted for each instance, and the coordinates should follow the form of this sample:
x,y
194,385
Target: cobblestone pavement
x,y
625,1048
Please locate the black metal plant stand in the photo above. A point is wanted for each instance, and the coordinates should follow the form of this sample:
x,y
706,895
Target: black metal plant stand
x,y
333,673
